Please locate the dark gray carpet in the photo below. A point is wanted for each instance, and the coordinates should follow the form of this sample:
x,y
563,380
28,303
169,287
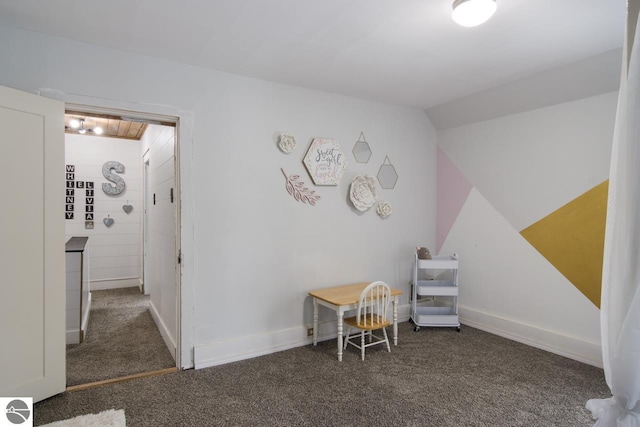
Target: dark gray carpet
x,y
436,377
122,339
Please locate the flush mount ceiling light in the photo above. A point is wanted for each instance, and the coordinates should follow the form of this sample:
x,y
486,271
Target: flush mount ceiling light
x,y
470,13
78,126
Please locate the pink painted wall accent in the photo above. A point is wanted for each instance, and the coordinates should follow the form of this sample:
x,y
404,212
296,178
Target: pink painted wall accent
x,y
452,189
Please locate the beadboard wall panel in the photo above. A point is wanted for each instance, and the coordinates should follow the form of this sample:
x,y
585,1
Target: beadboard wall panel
x,y
115,250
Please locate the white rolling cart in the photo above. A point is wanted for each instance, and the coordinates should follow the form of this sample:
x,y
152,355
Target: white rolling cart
x,y
434,302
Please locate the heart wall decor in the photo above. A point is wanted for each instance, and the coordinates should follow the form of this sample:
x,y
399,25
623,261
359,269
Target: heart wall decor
x,y
108,221
127,208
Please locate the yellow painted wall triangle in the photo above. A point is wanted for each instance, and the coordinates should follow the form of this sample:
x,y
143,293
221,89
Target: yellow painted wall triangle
x,y
572,240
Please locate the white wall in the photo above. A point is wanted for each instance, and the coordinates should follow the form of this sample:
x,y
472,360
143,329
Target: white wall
x,y
522,168
251,252
266,249
115,251
158,143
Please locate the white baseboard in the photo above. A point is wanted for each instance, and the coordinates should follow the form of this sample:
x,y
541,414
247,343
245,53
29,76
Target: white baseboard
x,y
247,347
164,331
551,341
73,336
101,285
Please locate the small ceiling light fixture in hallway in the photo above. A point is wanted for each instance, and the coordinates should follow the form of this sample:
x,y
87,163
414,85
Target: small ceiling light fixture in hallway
x,y
470,13
78,126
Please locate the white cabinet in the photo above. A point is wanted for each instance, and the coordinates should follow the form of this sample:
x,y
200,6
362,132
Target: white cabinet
x,y
78,292
434,296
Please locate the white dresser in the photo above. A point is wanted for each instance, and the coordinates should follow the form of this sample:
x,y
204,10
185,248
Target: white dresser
x,y
78,292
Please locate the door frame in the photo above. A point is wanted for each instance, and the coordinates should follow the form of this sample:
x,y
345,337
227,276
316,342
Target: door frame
x,y
165,120
145,219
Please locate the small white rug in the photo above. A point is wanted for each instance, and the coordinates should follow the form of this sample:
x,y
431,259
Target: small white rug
x,y
108,418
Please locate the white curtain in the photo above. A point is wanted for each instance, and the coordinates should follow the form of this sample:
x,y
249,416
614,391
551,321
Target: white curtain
x,y
620,306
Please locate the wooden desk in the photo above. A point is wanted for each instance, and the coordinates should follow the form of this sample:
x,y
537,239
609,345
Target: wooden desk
x,y
344,298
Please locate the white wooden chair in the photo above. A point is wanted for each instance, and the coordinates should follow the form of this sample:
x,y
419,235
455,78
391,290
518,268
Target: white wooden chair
x,y
371,316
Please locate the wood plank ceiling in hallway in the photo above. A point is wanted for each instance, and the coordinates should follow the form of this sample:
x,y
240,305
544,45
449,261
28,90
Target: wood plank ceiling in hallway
x,y
112,127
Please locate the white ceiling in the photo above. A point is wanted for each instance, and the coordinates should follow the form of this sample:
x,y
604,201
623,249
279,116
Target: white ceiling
x,y
405,52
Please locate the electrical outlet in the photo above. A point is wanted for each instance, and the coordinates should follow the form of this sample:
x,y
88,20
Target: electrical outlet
x,y
309,332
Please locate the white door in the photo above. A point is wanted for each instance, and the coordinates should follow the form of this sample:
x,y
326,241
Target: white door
x,y
32,265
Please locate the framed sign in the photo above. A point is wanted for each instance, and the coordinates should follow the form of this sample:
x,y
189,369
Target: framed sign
x,y
325,161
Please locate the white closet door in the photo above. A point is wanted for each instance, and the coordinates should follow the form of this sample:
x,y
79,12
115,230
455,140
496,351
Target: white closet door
x,y
32,264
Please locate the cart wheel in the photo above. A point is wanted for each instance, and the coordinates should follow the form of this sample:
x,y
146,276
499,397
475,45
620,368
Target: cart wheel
x,y
416,328
458,329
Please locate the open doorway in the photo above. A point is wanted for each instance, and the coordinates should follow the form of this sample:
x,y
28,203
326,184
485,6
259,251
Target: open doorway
x,y
126,201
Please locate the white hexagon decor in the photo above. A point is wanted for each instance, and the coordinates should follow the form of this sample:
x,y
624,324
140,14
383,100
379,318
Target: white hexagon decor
x,y
325,161
387,176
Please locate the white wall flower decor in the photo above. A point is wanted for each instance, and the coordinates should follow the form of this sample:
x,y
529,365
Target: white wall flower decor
x,y
384,209
287,143
363,192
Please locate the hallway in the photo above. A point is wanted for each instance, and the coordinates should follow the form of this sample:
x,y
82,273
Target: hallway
x,y
122,339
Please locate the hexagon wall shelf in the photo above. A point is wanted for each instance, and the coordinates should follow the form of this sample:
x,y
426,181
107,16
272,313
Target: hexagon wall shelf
x,y
387,175
325,161
361,151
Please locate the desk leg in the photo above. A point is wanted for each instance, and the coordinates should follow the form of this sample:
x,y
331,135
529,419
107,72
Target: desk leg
x,y
395,321
340,316
315,322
